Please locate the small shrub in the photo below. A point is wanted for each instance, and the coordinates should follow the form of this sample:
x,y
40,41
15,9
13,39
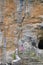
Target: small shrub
x,y
14,56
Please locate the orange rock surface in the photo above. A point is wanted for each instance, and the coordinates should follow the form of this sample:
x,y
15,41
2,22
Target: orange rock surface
x,y
9,18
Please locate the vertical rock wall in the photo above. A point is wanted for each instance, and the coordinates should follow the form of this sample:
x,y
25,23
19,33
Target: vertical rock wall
x,y
30,12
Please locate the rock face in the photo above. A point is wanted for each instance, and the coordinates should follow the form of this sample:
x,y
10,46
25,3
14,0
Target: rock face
x,y
16,17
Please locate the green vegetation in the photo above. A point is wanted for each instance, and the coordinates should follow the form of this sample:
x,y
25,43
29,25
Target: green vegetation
x,y
14,56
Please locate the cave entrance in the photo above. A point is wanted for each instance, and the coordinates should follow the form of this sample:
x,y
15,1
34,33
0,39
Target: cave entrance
x,y
40,44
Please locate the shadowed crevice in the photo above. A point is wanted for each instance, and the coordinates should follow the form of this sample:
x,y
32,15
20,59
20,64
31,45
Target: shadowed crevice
x,y
40,45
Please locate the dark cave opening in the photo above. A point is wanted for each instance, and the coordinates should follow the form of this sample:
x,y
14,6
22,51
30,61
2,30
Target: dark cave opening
x,y
40,45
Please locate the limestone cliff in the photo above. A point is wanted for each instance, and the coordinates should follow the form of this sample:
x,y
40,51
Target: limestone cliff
x,y
10,14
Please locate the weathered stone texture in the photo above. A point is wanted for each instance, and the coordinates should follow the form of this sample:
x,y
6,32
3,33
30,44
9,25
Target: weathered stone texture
x,y
10,15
